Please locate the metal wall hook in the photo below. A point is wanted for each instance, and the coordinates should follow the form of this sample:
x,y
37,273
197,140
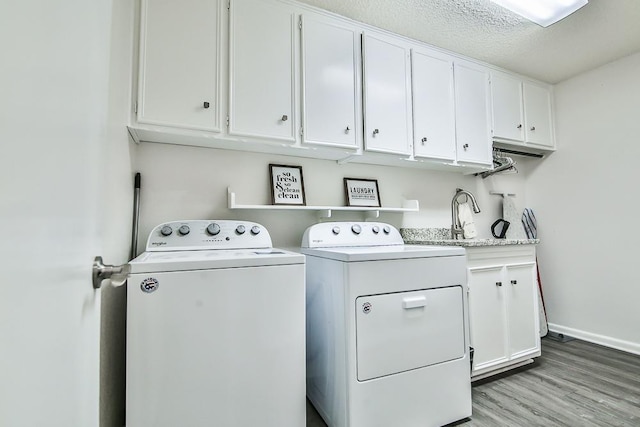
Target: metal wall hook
x,y
101,271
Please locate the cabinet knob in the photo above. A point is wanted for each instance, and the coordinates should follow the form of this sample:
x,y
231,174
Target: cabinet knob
x,y
205,104
533,128
465,146
284,118
514,282
424,139
376,131
498,283
347,129
520,126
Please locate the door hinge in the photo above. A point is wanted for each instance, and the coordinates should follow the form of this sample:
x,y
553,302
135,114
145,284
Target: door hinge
x,y
300,23
229,5
301,131
227,121
135,107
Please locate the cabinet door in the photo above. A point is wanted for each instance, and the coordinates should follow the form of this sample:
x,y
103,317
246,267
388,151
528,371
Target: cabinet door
x,y
387,96
433,106
473,133
331,84
487,316
262,59
524,336
178,86
537,111
506,97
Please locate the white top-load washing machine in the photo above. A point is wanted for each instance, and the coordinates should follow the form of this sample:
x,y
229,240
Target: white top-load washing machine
x,y
387,334
215,329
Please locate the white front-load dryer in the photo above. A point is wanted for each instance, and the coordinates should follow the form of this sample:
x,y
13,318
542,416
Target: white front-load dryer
x,y
215,329
387,328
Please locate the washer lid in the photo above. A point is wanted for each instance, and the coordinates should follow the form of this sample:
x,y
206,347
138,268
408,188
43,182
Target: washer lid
x,y
374,253
153,262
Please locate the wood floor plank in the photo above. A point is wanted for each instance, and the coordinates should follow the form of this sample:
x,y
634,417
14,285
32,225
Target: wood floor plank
x,y
573,384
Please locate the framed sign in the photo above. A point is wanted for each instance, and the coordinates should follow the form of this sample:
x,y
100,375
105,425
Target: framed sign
x,y
287,187
362,192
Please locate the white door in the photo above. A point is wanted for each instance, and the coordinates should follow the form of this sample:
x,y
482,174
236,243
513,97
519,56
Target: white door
x,y
537,110
387,96
524,333
263,70
506,96
53,117
179,64
408,330
473,131
331,85
433,106
487,316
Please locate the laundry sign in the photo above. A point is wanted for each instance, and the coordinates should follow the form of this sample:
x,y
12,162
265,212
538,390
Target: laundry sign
x,y
287,187
362,192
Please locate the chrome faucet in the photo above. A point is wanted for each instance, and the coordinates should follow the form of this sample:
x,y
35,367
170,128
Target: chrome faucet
x,y
456,227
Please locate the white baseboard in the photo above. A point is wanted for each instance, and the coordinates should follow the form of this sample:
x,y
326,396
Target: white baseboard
x,y
628,346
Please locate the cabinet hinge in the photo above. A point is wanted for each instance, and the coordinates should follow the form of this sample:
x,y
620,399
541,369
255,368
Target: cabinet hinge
x,y
301,131
229,5
227,121
300,23
135,107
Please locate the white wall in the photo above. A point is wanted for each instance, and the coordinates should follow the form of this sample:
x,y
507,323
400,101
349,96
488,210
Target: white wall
x,y
585,197
191,183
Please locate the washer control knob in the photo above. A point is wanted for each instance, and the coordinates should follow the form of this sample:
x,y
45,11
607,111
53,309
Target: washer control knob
x,y
356,228
386,229
213,229
375,229
184,230
166,231
240,229
255,230
336,230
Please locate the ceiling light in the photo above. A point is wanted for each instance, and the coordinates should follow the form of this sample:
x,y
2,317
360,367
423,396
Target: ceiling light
x,y
542,12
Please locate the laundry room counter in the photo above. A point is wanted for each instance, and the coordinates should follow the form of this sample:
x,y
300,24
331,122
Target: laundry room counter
x,y
442,237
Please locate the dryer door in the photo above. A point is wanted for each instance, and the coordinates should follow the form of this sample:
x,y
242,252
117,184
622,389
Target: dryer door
x,y
401,331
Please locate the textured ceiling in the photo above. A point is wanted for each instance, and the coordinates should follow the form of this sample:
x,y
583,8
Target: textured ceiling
x,y
600,32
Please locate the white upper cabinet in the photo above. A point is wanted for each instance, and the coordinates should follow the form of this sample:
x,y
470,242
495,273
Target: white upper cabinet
x,y
521,111
473,113
263,70
537,113
178,83
433,105
387,95
331,83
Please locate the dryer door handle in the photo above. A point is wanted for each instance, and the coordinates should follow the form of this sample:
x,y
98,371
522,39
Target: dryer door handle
x,y
414,302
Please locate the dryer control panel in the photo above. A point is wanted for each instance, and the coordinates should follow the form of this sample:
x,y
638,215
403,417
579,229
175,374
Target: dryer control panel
x,y
208,234
342,234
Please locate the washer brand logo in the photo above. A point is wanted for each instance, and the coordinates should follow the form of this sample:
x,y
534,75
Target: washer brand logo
x,y
158,243
149,285
366,307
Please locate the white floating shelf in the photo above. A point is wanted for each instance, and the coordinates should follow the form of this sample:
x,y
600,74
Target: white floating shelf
x,y
325,211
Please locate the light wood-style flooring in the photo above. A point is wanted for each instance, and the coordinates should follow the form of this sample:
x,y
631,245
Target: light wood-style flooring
x,y
575,384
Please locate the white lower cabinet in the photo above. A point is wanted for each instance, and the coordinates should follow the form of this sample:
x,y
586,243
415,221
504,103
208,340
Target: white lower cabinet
x,y
503,312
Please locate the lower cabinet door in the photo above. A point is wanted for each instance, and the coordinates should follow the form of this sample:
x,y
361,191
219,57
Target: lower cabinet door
x,y
487,316
523,322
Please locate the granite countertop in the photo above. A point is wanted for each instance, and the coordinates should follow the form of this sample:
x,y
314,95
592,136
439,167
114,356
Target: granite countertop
x,y
442,237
